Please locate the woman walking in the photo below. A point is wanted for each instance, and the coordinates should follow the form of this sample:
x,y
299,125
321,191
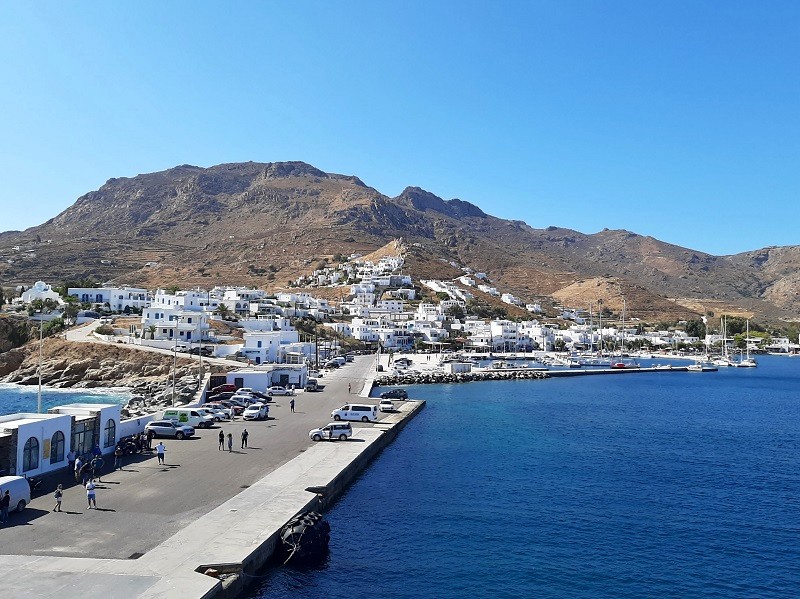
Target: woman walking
x,y
58,495
221,440
230,442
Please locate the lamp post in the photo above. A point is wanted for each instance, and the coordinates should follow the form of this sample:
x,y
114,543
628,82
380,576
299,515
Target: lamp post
x,y
174,365
41,343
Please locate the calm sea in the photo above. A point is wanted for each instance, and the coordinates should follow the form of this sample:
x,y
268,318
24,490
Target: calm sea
x,y
643,485
24,398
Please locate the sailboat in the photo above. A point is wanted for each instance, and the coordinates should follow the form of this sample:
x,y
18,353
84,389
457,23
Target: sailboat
x,y
747,362
724,359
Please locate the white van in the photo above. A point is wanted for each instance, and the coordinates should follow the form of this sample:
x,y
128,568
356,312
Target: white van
x,y
195,417
355,411
19,489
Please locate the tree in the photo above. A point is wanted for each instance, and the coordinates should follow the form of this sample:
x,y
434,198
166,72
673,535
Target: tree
x,y
223,311
696,328
152,330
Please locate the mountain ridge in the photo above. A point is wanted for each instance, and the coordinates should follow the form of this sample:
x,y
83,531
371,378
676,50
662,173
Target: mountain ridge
x,y
268,223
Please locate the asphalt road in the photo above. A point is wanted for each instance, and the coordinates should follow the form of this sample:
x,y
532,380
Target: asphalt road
x,y
144,504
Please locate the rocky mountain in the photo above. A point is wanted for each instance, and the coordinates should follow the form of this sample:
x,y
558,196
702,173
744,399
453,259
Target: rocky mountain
x,y
265,224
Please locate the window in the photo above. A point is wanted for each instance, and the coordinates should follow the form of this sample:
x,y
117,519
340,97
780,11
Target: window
x,y
57,448
110,437
83,437
30,455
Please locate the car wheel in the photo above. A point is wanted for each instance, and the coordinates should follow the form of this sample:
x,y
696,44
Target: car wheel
x,y
21,505
342,437
270,393
316,438
179,435
364,419
337,417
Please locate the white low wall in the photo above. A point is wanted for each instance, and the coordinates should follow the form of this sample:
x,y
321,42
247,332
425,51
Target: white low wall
x,y
135,425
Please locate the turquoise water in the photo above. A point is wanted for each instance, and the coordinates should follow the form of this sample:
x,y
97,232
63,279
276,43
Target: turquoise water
x,y
643,485
24,398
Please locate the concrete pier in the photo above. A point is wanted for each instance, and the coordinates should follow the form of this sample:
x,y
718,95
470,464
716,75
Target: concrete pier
x,y
94,553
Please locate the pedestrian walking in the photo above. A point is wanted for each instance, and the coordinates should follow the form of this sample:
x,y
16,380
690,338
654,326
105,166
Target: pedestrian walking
x,y
118,453
245,434
77,468
97,467
58,495
349,387
150,435
291,404
160,449
230,442
5,501
71,459
221,440
90,495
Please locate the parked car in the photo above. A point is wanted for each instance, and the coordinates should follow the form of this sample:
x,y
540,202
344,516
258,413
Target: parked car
x,y
217,415
220,395
235,406
19,489
244,398
224,388
394,394
278,390
203,351
168,428
386,405
354,411
218,408
256,411
332,431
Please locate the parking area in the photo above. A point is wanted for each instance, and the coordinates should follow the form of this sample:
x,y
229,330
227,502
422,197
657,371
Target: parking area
x,y
145,503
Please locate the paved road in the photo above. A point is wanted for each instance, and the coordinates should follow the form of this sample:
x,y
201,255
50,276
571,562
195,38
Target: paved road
x,y
145,503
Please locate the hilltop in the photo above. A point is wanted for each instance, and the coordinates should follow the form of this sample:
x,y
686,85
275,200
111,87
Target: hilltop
x,y
265,224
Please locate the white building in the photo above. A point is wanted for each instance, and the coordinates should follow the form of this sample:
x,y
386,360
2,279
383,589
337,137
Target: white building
x,y
33,444
265,347
40,291
118,298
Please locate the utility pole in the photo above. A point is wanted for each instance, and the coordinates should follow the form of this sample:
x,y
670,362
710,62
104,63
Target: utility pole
x,y
41,343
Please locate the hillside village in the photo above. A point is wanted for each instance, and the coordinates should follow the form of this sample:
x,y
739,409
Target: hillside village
x,y
379,307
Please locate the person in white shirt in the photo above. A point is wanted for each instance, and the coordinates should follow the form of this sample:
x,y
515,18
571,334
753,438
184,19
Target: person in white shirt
x,y
90,496
160,449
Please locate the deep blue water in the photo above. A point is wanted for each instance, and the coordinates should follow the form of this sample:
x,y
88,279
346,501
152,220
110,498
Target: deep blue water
x,y
642,485
24,398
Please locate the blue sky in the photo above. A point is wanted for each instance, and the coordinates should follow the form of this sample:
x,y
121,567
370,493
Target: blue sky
x,y
675,119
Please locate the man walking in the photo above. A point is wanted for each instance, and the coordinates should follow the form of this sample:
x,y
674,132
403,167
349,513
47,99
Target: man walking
x,y
349,387
90,496
5,501
245,434
77,468
291,404
71,459
160,449
221,440
118,453
230,442
150,435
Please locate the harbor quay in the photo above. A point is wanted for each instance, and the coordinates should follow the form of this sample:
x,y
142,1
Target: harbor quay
x,y
204,522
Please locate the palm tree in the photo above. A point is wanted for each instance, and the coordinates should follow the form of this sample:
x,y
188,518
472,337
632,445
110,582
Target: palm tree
x,y
152,330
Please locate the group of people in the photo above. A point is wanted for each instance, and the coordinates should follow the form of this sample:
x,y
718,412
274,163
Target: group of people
x,y
223,439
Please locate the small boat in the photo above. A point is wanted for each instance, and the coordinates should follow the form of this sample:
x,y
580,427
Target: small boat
x,y
663,366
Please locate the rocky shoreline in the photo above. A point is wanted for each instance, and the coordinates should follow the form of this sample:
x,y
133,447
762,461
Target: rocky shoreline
x,y
69,365
428,378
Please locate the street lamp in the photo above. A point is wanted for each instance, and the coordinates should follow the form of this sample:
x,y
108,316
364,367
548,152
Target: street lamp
x,y
41,343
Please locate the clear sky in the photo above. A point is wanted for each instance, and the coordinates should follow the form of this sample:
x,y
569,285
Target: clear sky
x,y
675,119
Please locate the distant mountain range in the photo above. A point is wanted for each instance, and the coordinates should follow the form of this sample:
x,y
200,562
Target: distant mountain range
x,y
265,224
